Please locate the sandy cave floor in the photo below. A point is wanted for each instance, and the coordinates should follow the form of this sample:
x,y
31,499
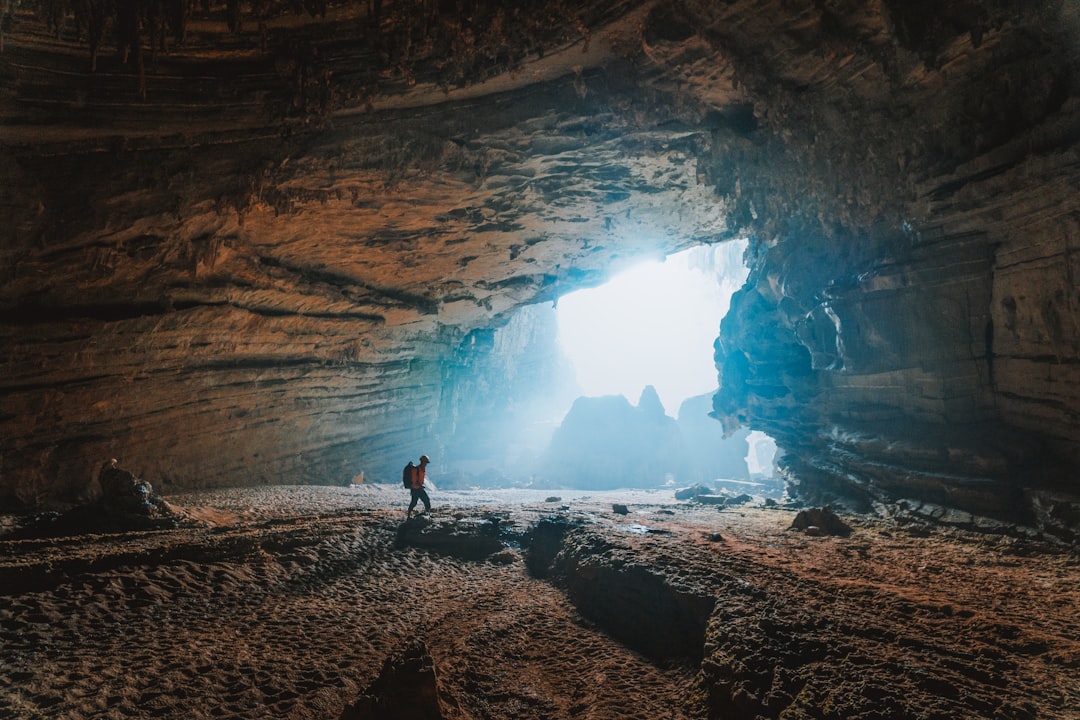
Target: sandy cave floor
x,y
287,602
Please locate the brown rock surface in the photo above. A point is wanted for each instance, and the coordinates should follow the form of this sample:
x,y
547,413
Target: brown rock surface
x,y
244,248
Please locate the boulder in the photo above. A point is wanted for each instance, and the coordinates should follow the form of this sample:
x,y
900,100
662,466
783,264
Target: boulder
x,y
406,689
129,502
468,538
693,491
126,503
823,521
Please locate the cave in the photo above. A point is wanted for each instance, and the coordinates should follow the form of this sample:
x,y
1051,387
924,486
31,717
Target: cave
x,y
256,254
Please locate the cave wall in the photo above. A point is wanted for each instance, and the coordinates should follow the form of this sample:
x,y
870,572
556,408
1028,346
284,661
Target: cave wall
x,y
263,255
908,329
264,251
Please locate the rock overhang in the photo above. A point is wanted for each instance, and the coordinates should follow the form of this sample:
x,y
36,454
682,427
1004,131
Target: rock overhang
x,y
331,225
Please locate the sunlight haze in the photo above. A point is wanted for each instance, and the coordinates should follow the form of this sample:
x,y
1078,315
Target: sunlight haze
x,y
654,324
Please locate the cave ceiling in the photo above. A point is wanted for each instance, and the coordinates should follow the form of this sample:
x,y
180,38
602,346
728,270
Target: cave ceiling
x,y
385,200
239,238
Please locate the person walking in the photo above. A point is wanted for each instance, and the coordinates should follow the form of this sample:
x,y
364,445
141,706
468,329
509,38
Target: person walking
x,y
416,487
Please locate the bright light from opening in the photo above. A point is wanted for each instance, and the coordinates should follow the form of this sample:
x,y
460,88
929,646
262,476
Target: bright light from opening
x,y
653,325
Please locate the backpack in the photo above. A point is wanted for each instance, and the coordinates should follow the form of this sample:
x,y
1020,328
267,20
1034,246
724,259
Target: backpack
x,y
407,475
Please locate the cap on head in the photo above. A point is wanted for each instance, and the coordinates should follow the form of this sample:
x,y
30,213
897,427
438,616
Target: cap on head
x,y
424,460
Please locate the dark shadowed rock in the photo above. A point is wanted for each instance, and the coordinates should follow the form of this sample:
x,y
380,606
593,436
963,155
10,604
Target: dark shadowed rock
x,y
469,538
544,541
124,494
649,608
126,503
406,689
823,521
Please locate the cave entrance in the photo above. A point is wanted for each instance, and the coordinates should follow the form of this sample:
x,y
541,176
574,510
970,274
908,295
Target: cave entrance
x,y
654,325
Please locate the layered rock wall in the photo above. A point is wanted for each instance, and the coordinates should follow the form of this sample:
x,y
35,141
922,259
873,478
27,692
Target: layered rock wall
x,y
908,327
264,254
265,251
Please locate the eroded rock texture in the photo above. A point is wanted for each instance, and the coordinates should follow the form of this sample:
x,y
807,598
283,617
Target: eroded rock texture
x,y
219,283
243,245
884,306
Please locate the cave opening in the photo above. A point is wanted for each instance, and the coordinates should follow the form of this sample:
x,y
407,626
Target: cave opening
x,y
608,386
640,353
653,324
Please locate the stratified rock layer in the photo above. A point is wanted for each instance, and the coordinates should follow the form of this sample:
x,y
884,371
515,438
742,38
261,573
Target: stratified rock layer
x,y
275,249
909,324
216,293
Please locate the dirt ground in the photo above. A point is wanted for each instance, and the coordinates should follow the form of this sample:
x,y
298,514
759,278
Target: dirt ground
x,y
286,602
